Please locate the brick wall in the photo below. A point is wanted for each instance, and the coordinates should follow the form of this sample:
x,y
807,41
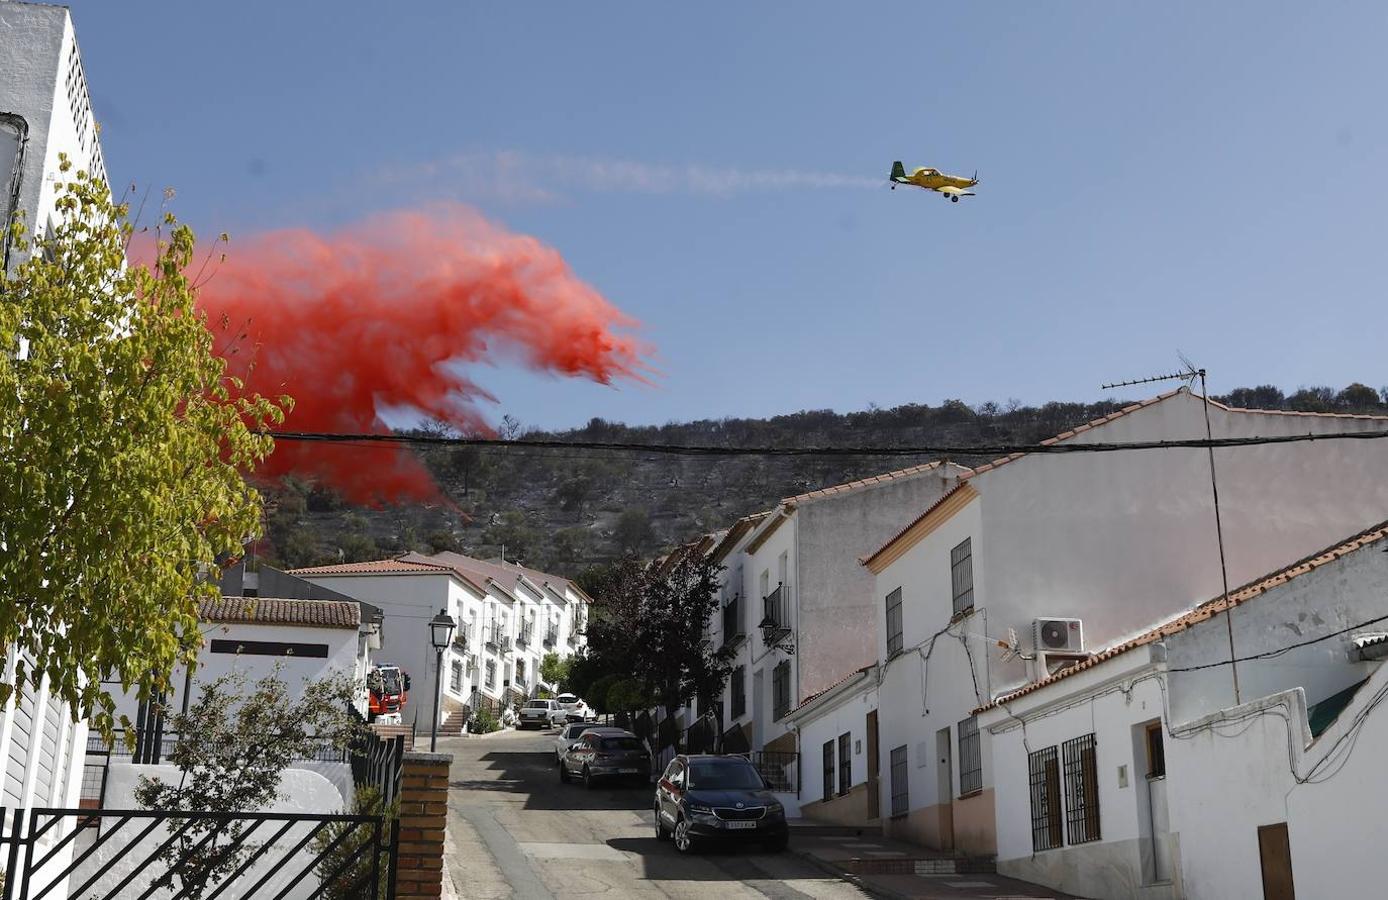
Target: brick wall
x,y
423,814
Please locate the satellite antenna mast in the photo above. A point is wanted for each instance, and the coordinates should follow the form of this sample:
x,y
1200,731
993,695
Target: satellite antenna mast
x,y
1189,374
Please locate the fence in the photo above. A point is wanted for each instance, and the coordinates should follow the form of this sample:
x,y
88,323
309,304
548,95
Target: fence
x,y
780,769
215,856
377,762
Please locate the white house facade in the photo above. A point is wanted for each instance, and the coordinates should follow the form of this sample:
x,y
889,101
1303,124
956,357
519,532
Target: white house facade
x,y
837,731
1032,560
1136,774
508,617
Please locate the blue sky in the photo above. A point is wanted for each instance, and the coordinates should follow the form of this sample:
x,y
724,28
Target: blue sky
x,y
1207,178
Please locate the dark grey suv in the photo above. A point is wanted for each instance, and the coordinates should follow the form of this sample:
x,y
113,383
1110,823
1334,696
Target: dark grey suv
x,y
606,754
705,798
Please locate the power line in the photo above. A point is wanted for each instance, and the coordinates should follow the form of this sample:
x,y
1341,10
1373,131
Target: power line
x,y
945,450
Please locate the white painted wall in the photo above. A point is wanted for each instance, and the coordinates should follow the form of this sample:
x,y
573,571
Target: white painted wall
x,y
845,714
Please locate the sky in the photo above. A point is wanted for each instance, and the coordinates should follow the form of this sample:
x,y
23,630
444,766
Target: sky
x,y
1156,179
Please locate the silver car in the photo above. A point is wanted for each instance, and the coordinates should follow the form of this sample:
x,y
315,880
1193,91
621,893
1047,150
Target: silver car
x,y
541,714
604,753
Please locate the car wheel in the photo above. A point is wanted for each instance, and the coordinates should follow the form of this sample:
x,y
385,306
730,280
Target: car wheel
x,y
588,779
660,833
684,842
776,845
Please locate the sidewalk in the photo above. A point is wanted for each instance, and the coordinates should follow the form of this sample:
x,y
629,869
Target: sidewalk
x,y
869,860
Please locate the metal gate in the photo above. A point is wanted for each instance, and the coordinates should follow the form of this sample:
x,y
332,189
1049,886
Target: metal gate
x,y
105,854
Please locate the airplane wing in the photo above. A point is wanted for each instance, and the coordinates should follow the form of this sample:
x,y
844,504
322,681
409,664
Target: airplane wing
x,y
956,192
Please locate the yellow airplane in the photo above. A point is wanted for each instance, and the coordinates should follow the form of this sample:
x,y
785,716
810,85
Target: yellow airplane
x,y
950,186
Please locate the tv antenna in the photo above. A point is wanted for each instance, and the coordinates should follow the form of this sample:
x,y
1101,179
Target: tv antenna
x,y
1189,373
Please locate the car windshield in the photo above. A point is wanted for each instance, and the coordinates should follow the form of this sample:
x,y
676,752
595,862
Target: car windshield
x,y
724,777
567,698
390,682
618,744
575,730
537,704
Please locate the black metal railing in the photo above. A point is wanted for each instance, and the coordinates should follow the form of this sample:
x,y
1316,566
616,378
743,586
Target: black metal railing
x,y
527,632
379,762
775,622
780,769
220,856
732,621
552,634
462,638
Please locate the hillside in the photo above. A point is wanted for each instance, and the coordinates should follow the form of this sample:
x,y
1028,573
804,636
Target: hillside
x,y
563,510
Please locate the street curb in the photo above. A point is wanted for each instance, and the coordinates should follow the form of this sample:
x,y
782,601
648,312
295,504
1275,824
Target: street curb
x,y
844,875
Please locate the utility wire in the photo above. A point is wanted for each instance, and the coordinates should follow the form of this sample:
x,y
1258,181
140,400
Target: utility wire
x,y
995,450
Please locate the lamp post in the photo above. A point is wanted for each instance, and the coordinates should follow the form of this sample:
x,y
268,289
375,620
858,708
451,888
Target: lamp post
x,y
440,633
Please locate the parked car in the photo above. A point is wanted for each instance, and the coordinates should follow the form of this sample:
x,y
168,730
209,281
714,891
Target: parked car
x,y
542,714
576,709
605,753
707,798
571,732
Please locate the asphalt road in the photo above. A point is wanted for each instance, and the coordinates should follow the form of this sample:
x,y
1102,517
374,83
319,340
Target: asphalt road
x,y
515,832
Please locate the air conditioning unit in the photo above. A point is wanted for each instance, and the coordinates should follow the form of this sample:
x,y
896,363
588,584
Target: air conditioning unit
x,y
1059,636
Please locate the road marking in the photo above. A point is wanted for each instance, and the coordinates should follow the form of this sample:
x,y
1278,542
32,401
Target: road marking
x,y
546,850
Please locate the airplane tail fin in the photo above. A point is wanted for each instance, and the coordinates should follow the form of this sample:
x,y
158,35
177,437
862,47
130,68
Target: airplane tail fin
x,y
898,170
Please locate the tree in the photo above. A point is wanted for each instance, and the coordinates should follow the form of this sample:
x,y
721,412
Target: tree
x,y
554,669
633,532
1359,398
511,534
233,747
123,442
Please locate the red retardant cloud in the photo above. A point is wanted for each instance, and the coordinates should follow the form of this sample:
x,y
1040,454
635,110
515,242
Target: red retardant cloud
x,y
379,316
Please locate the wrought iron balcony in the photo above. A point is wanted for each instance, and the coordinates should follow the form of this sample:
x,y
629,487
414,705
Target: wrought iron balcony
x,y
527,633
732,622
775,622
552,634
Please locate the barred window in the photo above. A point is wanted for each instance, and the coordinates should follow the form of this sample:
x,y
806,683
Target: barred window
x,y
455,676
845,763
1044,768
491,674
901,789
970,757
894,623
738,688
961,573
780,690
828,770
1081,790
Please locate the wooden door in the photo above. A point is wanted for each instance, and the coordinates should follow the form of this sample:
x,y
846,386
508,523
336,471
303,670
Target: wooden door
x,y
874,792
1275,852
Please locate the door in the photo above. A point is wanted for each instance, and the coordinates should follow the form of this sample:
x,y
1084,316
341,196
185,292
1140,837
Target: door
x,y
1275,853
874,780
944,791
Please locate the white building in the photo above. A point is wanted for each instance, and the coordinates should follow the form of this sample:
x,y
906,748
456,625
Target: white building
x,y
1099,545
1136,774
44,111
837,728
508,618
798,610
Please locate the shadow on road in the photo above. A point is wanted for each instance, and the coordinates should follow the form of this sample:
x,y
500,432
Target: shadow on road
x,y
536,775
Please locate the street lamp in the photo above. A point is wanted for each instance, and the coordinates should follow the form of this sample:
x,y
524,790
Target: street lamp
x,y
440,634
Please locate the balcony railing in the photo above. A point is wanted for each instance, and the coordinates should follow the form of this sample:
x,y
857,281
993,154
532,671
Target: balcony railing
x,y
732,621
781,770
527,633
775,622
552,634
462,638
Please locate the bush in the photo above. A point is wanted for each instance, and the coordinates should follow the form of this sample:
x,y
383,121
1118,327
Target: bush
x,y
483,722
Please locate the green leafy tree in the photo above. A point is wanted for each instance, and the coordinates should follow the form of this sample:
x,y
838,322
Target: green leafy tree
x,y
123,442
555,668
234,744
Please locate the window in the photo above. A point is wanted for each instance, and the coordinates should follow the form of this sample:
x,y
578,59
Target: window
x,y
845,763
520,671
961,574
455,676
780,690
901,789
1081,790
894,623
1156,752
1044,771
828,770
491,675
739,692
970,757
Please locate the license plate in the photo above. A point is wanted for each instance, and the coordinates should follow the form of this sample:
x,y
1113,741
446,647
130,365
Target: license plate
x,y
628,771
736,825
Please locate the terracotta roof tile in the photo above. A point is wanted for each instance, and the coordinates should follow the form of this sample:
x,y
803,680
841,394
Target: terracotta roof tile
x,y
867,560
372,567
844,680
270,611
1208,609
820,494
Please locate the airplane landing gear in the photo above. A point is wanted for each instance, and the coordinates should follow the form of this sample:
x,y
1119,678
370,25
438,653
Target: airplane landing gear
x,y
953,199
